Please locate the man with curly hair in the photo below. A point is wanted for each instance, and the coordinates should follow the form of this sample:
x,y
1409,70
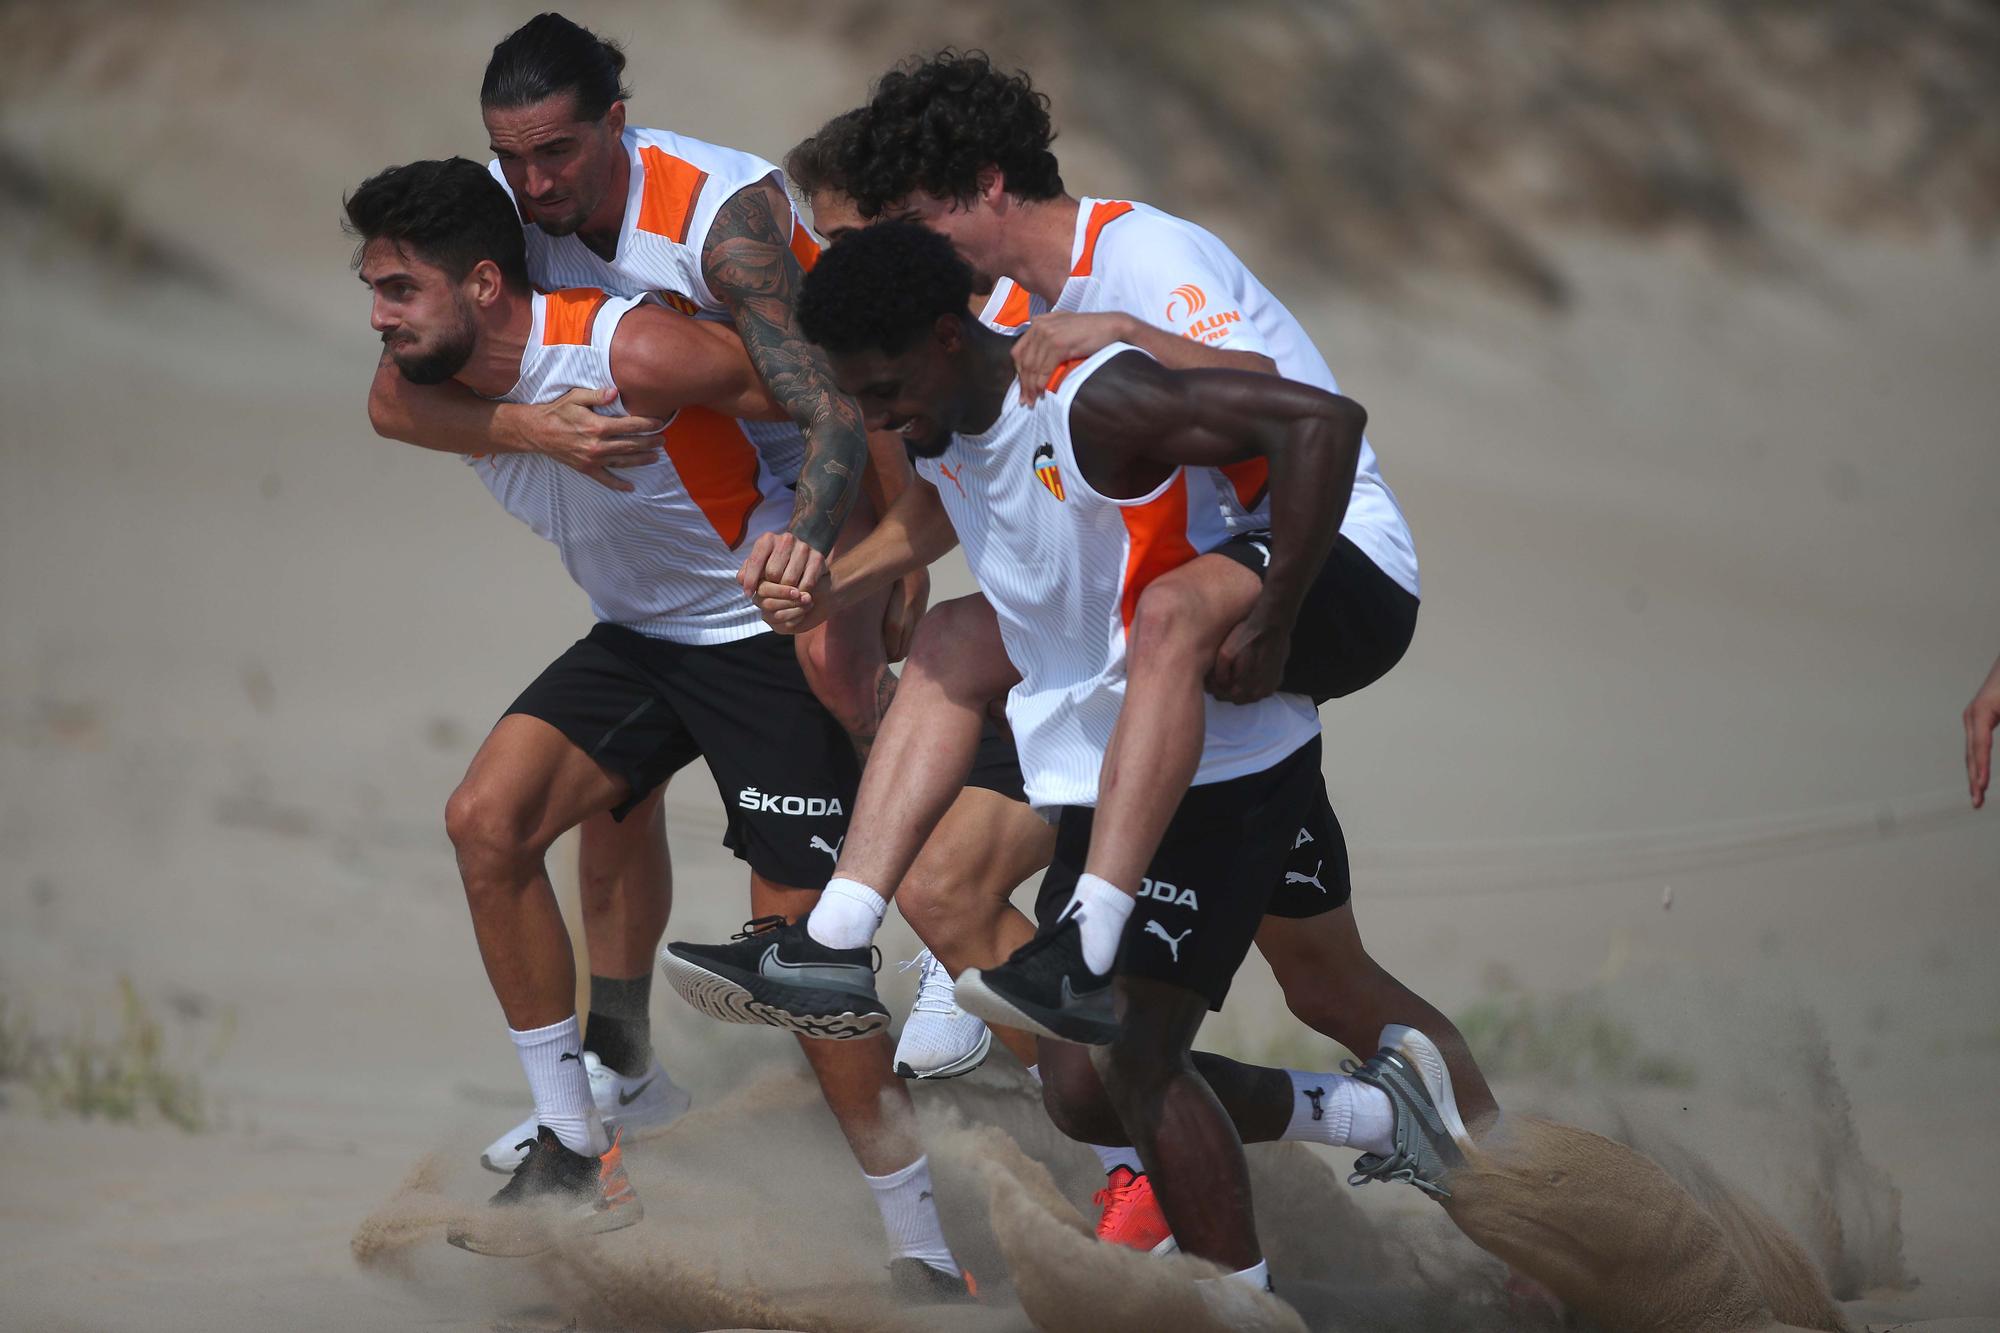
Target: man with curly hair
x,y
1067,508
964,149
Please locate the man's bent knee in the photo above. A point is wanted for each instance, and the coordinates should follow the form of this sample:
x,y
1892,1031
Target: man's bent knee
x,y
492,840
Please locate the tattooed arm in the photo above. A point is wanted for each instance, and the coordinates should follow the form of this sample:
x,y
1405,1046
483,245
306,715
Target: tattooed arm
x,y
748,263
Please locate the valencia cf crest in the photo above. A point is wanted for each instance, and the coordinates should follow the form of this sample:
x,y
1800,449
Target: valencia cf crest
x,y
1046,471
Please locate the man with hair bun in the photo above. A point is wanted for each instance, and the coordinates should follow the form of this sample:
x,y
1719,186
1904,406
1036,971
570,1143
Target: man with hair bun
x,y
710,233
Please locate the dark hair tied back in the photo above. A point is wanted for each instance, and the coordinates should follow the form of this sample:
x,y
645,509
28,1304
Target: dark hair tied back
x,y
549,55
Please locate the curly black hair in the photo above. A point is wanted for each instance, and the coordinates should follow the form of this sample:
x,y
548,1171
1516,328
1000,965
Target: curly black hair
x,y
882,289
933,124
548,55
450,213
815,164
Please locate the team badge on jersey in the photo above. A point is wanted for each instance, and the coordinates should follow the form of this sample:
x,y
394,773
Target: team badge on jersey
x,y
676,301
1046,471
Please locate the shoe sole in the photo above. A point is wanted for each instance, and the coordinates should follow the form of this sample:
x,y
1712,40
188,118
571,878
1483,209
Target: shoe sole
x,y
982,1001
729,999
537,1237
1428,1061
965,1064
611,1122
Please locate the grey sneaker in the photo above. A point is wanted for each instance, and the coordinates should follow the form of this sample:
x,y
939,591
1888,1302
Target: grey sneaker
x,y
778,975
1430,1136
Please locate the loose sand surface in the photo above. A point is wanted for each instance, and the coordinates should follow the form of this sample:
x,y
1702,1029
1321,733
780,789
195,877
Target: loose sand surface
x,y
1709,569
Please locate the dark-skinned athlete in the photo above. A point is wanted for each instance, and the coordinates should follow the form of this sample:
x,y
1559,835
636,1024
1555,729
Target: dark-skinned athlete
x,y
1066,508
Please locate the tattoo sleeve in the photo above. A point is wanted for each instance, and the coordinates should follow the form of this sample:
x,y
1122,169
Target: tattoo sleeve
x,y
748,263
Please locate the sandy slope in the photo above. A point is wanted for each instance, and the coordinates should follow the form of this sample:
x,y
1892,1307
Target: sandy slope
x,y
1704,561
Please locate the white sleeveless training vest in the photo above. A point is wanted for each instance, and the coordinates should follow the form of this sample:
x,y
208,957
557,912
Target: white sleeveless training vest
x,y
1063,567
677,186
1175,275
661,558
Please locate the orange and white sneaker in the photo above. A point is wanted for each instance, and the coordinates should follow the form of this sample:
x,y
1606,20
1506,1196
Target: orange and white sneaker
x,y
555,1195
1131,1215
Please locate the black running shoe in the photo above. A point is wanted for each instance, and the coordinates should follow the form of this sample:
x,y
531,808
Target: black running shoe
x,y
554,1195
778,975
917,1283
1045,988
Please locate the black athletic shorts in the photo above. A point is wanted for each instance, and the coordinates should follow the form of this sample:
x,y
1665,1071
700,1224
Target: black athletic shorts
x,y
1236,851
1356,622
644,709
997,765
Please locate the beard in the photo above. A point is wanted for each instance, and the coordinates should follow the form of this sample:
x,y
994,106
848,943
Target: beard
x,y
934,447
438,363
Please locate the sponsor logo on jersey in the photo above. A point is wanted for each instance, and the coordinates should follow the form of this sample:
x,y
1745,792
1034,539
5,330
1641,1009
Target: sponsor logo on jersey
x,y
1046,471
953,476
676,301
1171,894
771,803
1188,299
1213,329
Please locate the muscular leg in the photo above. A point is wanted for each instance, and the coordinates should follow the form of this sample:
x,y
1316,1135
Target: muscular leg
x,y
1334,987
1177,628
527,785
626,881
871,1104
627,888
956,895
1183,1134
957,667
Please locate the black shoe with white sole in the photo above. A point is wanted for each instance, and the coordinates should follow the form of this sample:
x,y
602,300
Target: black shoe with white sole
x,y
776,974
1045,988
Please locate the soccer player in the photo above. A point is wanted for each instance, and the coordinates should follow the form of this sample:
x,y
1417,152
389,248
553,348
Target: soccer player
x,y
678,666
964,148
711,232
1066,509
956,893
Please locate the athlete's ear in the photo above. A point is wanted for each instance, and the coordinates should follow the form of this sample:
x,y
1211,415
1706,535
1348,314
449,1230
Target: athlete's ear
x,y
949,333
992,184
614,119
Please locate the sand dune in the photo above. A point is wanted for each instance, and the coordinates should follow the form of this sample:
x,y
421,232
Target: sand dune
x,y
1708,570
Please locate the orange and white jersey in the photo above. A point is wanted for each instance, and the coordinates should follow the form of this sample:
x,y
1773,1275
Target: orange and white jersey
x,y
1063,567
1175,275
1010,306
661,558
676,188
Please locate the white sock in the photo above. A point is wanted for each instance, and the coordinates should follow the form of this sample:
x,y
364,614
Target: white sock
x,y
847,915
1228,1297
1035,1073
1101,909
552,1058
1258,1275
1113,1158
910,1215
1341,1111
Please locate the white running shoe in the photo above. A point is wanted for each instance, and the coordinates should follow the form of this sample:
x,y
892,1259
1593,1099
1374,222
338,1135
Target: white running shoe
x,y
645,1102
941,1040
